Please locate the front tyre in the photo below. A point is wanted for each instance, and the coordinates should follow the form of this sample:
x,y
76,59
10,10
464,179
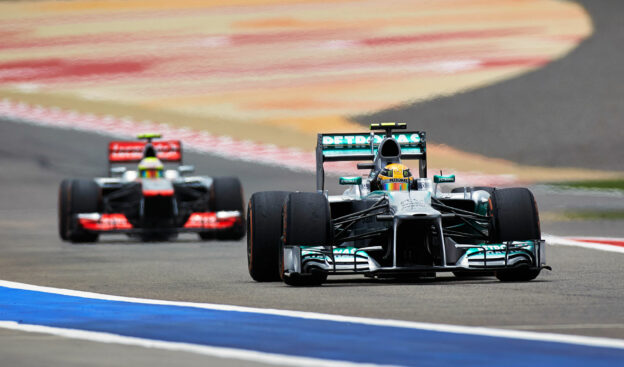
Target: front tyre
x,y
228,196
306,220
264,224
64,210
521,274
515,217
75,197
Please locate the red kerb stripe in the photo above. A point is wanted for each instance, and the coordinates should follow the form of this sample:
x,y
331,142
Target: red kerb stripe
x,y
614,242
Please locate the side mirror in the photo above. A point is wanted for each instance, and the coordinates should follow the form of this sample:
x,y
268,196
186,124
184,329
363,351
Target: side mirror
x,y
350,180
443,179
186,169
118,171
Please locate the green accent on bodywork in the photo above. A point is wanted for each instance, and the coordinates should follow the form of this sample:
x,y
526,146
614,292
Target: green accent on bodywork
x,y
501,248
443,179
362,141
314,251
149,136
482,208
341,152
350,180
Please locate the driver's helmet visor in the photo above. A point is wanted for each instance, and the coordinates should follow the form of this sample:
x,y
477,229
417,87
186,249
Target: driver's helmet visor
x,y
152,173
395,184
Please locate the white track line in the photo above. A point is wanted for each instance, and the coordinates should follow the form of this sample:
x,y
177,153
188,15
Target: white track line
x,y
483,331
562,241
564,326
201,141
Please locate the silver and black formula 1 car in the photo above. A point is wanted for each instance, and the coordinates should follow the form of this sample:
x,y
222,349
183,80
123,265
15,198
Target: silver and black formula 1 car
x,y
391,225
155,200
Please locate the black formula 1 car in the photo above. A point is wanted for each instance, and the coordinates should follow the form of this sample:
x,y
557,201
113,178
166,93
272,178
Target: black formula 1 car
x,y
153,201
391,224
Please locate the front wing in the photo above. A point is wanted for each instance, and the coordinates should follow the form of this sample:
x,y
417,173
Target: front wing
x,y
196,222
351,260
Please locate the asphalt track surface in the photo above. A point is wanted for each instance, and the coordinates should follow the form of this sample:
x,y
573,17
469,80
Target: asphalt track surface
x,y
568,113
583,295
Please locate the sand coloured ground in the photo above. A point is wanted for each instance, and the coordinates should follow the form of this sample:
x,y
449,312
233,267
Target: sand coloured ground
x,y
279,71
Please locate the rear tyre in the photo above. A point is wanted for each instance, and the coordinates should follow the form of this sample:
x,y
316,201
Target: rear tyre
x,y
264,224
515,217
306,220
228,196
83,197
64,214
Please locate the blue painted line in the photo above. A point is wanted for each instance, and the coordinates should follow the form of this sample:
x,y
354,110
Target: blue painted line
x,y
293,336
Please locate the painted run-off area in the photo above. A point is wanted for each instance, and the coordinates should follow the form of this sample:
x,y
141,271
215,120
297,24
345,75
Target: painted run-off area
x,y
277,72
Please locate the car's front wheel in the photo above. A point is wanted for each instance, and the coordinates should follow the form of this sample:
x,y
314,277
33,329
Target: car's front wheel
x,y
515,217
306,221
264,217
75,197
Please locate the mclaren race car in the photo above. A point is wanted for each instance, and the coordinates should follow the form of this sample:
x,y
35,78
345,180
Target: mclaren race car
x,y
389,224
150,195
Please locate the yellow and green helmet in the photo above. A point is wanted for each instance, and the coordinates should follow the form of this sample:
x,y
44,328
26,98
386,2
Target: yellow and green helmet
x,y
395,177
151,167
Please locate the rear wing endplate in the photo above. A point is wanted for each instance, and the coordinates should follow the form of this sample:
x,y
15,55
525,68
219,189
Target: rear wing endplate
x,y
363,147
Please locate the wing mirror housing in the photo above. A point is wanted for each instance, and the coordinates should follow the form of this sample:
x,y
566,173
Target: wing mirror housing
x,y
443,178
350,180
118,171
186,169
438,179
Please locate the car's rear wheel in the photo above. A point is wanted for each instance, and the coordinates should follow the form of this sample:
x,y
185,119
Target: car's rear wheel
x,y
264,224
228,196
515,217
306,220
75,197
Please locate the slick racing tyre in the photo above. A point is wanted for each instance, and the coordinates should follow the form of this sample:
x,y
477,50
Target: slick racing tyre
x,y
75,197
515,217
228,196
306,220
64,215
264,224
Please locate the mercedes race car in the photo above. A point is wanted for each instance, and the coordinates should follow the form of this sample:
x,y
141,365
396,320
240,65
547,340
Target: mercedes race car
x,y
390,224
150,195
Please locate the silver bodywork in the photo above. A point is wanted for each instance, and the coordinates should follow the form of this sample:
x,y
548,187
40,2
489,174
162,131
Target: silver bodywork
x,y
418,231
411,206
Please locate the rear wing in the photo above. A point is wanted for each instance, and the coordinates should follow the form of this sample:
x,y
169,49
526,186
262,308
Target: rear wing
x,y
363,146
132,151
